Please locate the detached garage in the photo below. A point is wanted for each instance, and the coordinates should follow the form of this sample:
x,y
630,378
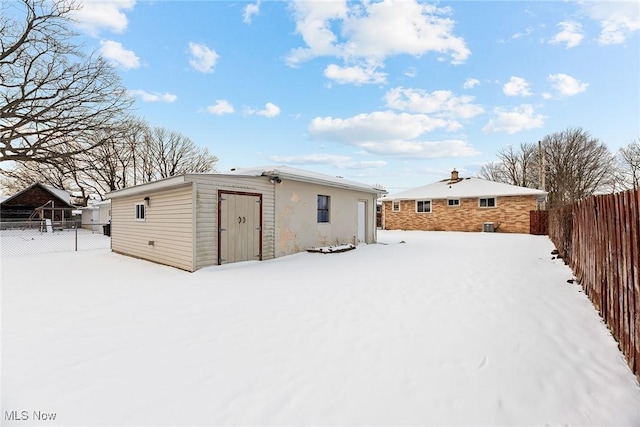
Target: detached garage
x,y
197,220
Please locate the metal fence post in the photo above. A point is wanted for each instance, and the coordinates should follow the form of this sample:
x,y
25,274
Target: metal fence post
x,y
76,227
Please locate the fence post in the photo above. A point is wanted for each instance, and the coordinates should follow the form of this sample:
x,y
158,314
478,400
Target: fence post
x,y
76,227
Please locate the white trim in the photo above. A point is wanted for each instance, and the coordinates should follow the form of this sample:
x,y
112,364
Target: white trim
x,y
149,186
453,205
423,202
495,202
144,212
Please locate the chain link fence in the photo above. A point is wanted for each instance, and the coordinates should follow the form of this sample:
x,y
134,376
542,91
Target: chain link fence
x,y
46,236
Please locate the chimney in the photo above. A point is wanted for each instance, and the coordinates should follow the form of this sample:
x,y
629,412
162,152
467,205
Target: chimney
x,y
454,175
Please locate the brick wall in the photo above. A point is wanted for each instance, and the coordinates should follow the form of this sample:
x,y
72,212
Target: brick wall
x,y
511,213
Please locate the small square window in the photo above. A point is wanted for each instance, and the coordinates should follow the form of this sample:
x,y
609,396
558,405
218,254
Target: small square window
x,y
487,202
140,211
323,208
453,202
423,206
395,206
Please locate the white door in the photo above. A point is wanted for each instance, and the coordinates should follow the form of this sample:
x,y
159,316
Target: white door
x,y
240,236
362,221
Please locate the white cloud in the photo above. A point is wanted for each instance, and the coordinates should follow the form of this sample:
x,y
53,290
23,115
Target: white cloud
x,y
525,33
517,86
514,120
411,72
390,134
567,85
374,31
440,103
357,75
470,83
313,23
203,58
379,125
618,19
153,96
250,10
270,110
528,31
342,162
221,107
421,149
106,14
571,34
115,53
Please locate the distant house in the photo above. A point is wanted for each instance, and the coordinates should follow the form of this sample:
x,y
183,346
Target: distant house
x,y
96,215
36,202
197,220
462,204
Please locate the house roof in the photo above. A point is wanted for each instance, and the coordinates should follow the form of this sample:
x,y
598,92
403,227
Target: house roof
x,y
295,174
465,187
281,172
62,195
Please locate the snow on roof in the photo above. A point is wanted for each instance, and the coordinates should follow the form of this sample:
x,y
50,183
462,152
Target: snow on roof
x,y
282,172
3,198
302,175
465,187
62,194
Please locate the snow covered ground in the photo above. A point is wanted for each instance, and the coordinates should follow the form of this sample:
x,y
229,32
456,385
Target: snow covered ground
x,y
444,329
33,241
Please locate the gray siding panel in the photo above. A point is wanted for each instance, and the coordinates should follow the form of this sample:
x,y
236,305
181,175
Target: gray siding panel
x,y
168,224
207,213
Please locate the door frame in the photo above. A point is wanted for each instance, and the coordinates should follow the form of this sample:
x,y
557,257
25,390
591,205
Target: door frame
x,y
238,193
365,225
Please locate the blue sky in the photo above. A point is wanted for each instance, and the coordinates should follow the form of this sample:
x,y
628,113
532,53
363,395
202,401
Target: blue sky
x,y
389,92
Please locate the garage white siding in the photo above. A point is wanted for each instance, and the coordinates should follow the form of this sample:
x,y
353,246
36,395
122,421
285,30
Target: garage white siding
x,y
165,235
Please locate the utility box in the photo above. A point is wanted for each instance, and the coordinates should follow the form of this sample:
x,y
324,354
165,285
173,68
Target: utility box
x,y
488,227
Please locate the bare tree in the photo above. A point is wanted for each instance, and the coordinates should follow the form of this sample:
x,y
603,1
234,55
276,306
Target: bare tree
x,y
122,156
576,166
174,154
516,166
629,161
493,171
52,97
519,164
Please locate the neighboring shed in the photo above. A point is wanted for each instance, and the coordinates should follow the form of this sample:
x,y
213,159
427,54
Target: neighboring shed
x,y
96,215
104,209
90,218
197,220
462,204
37,202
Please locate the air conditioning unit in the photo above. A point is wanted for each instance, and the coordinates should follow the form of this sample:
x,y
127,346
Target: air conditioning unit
x,y
488,227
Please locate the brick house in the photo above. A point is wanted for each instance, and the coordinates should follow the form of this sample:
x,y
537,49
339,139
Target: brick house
x,y
462,204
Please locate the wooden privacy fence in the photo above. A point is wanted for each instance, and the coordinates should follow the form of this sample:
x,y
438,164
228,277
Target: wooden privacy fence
x,y
600,240
539,223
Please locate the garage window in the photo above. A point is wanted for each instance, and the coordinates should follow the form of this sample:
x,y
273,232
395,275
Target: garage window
x,y
140,211
324,204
